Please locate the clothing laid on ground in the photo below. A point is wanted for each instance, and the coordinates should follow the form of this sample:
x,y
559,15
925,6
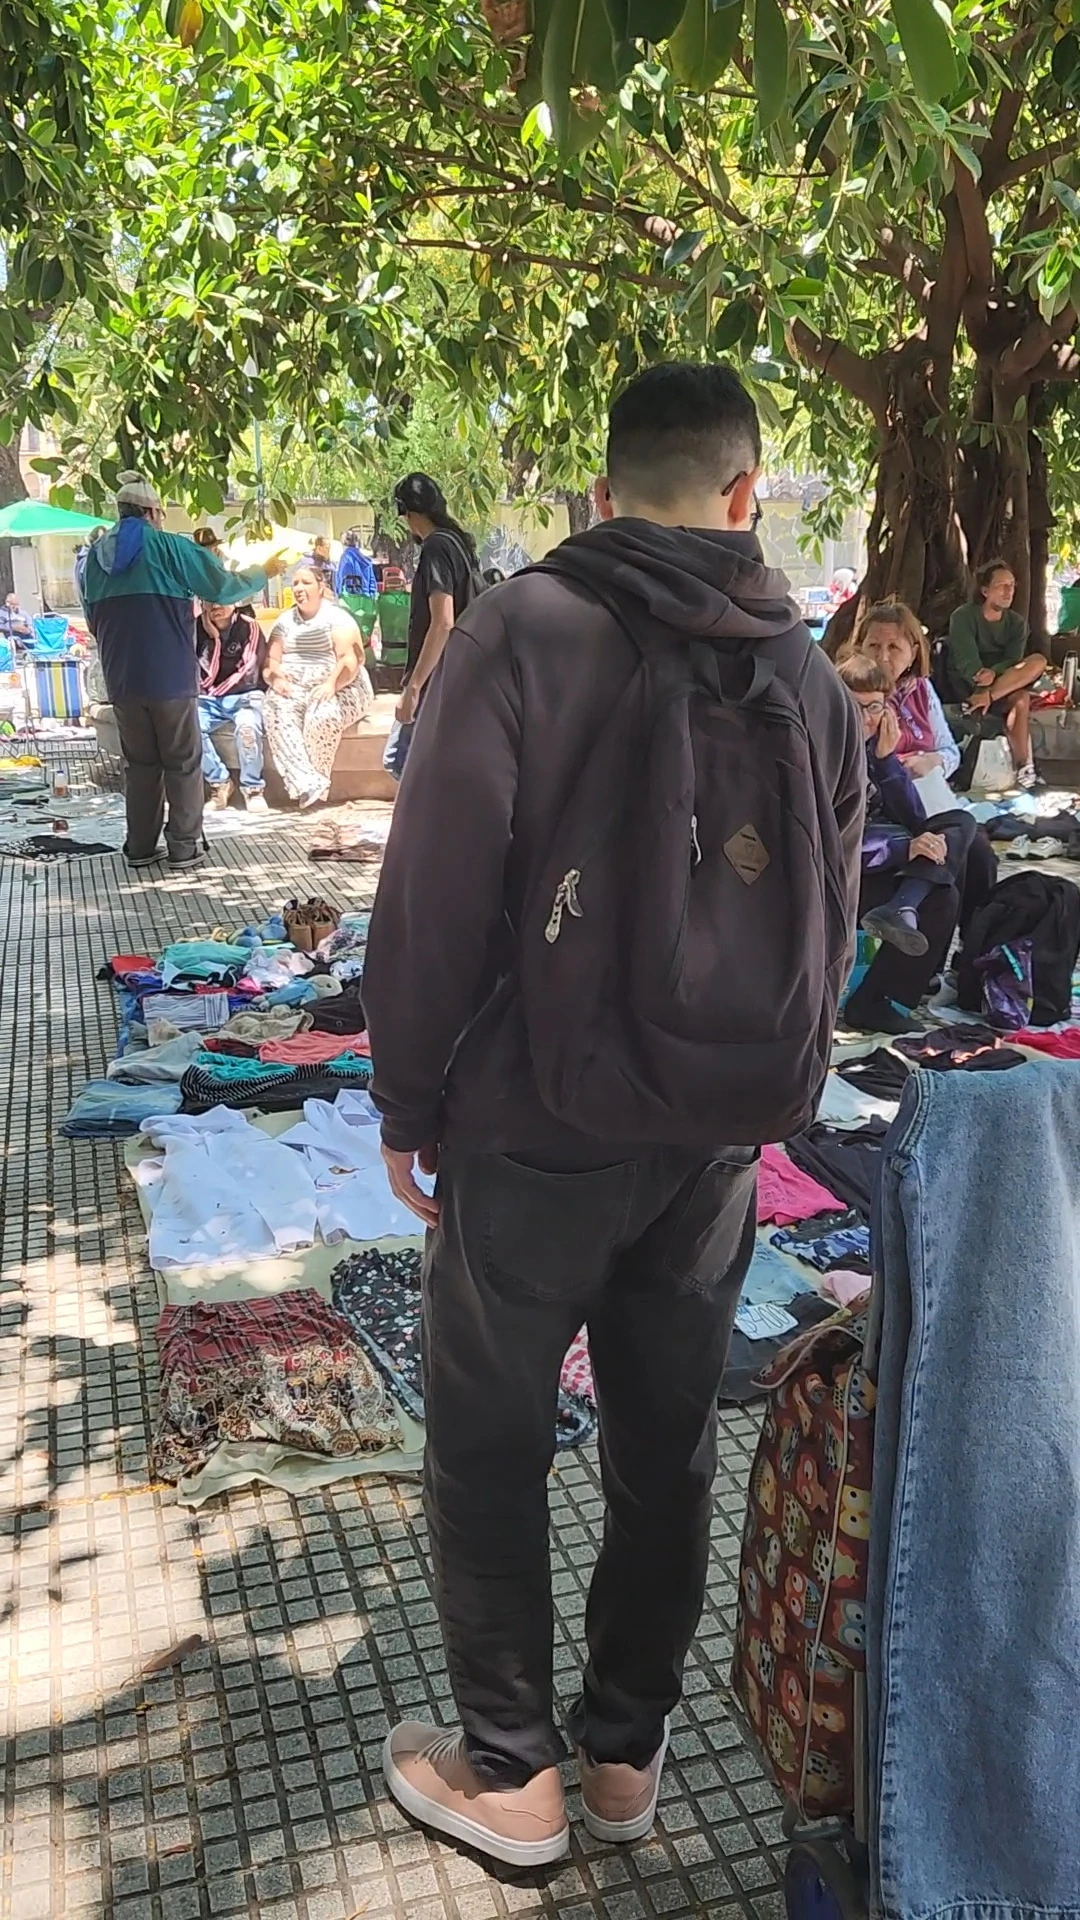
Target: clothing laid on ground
x,y
1061,1046
444,566
959,1049
109,1110
55,846
284,1371
161,1066
345,842
203,962
923,726
304,732
747,1358
771,1280
974,1549
311,1049
844,1105
880,1074
839,1247
843,1287
162,749
846,1162
975,643
378,1291
526,683
225,1197
341,1014
271,1089
652,1253
784,1193
339,1146
199,1012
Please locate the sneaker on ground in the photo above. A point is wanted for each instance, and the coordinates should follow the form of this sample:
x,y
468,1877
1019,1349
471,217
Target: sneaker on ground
x,y
255,800
868,1015
1020,848
1026,777
143,859
429,1775
885,923
1046,848
619,1802
220,795
190,860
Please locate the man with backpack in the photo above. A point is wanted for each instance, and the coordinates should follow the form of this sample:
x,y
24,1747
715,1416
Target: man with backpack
x,y
616,911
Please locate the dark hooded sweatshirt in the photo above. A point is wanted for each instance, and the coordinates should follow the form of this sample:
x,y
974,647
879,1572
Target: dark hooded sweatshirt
x,y
528,675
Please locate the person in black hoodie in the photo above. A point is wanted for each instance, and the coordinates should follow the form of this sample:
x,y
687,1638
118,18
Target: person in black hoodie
x,y
535,1225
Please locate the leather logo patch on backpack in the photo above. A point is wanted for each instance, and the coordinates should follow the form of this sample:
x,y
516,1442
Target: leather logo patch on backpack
x,y
748,854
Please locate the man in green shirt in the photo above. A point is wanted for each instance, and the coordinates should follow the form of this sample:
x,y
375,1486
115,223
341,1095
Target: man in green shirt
x,y
988,663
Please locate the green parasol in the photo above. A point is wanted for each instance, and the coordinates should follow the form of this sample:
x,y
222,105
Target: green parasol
x,y
29,519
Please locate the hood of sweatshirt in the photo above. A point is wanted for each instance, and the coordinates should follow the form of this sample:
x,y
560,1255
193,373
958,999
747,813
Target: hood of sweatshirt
x,y
712,585
119,549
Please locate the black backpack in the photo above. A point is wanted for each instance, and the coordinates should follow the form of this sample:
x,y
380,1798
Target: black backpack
x,y
1027,906
682,947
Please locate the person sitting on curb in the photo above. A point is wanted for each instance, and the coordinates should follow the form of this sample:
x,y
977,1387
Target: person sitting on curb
x,y
232,654
987,663
913,868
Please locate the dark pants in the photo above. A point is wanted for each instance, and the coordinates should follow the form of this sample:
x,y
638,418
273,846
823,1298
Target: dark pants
x,y
958,890
652,1254
162,749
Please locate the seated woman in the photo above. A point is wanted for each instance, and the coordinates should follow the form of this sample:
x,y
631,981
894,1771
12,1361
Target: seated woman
x,y
988,665
316,687
890,634
913,867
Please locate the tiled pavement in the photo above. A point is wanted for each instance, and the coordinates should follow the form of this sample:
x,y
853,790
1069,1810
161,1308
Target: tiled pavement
x,y
246,1780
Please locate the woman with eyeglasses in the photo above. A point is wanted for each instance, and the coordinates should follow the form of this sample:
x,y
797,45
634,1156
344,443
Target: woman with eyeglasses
x,y
914,868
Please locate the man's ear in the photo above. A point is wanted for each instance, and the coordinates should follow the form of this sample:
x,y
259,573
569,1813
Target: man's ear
x,y
740,501
605,505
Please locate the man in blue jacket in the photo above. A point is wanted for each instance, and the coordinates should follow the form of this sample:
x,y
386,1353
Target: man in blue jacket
x,y
138,590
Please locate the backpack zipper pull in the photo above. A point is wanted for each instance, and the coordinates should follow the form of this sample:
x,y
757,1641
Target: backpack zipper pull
x,y
565,901
695,843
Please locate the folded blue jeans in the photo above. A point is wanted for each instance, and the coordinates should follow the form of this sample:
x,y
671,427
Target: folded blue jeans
x,y
973,1604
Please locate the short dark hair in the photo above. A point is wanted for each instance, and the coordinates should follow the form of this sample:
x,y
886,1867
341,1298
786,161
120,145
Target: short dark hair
x,y
984,575
860,674
681,428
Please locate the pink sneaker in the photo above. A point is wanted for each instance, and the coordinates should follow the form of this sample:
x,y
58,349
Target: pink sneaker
x,y
429,1775
620,1802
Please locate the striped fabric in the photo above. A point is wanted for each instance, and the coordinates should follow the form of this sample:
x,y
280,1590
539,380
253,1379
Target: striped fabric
x,y
58,686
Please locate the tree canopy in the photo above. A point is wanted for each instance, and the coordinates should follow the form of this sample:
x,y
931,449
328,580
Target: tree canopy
x,y
293,209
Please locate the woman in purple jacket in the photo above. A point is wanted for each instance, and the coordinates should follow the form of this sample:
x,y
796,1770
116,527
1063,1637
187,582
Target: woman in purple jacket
x,y
916,870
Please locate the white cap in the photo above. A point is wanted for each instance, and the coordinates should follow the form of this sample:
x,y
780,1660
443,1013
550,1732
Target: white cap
x,y
134,491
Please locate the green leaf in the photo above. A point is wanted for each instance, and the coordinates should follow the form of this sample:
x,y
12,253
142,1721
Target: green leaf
x,y
1065,60
578,50
1066,195
817,136
52,280
770,60
804,288
924,28
653,20
210,496
225,225
682,247
703,43
63,497
732,325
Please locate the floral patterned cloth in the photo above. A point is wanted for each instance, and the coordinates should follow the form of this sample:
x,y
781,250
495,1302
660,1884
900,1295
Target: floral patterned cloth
x,y
287,1370
379,1294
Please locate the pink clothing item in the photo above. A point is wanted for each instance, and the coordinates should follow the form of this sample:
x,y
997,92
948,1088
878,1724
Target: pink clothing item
x,y
311,1049
576,1374
786,1194
844,1287
1062,1046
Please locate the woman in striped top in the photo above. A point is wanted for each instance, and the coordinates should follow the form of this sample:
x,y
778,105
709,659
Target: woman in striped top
x,y
317,687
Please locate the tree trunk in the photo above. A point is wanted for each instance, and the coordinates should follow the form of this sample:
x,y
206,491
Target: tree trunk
x,y
1041,520
11,488
580,511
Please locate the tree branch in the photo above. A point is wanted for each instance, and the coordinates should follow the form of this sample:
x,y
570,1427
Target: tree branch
x,y
834,361
896,257
1037,340
995,153
506,255
977,241
1025,163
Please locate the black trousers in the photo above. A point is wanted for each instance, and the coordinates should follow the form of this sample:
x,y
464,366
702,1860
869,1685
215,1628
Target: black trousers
x,y
162,749
652,1252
